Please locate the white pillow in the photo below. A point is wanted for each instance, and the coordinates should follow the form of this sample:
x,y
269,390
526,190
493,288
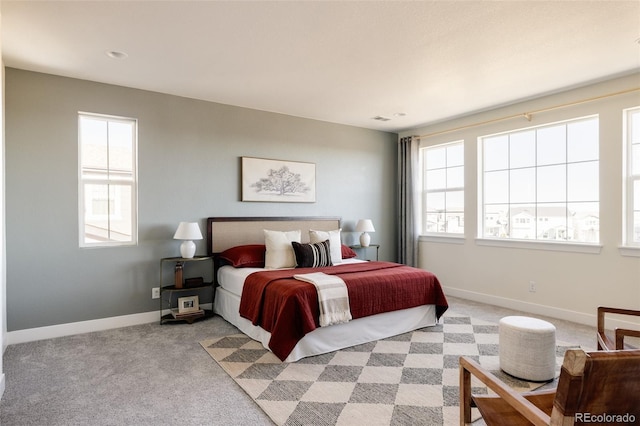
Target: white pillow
x,y
335,243
279,253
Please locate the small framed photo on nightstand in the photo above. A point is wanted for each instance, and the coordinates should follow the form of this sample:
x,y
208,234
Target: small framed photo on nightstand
x,y
188,304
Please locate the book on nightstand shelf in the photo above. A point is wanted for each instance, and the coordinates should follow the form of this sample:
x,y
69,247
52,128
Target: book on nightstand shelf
x,y
178,315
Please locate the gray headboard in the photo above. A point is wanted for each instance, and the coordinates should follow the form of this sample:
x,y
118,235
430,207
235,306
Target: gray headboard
x,y
227,232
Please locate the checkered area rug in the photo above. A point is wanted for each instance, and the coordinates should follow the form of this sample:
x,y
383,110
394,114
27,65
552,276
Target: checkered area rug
x,y
409,379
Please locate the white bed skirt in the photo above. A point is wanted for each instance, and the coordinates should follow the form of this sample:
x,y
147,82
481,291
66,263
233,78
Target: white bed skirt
x,y
334,337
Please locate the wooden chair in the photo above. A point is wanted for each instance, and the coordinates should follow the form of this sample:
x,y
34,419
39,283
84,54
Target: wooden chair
x,y
605,341
590,384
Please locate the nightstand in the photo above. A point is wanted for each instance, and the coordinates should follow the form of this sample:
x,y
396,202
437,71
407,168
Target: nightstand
x,y
171,293
364,249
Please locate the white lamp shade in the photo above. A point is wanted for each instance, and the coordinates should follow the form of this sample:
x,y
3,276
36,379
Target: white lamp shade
x,y
365,225
188,231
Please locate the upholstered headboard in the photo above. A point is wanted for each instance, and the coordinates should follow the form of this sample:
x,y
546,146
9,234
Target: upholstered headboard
x,y
227,232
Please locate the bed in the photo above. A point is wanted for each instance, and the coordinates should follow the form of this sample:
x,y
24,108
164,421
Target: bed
x,y
281,312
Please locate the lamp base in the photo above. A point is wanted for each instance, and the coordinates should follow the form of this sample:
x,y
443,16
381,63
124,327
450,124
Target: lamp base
x,y
187,249
365,239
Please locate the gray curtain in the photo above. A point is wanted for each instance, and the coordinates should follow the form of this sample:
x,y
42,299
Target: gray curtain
x,y
408,196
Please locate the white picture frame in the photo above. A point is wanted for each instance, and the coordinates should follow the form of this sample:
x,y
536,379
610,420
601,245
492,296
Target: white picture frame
x,y
188,304
278,181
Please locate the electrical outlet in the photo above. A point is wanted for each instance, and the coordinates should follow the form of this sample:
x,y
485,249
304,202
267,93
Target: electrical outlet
x,y
155,293
532,286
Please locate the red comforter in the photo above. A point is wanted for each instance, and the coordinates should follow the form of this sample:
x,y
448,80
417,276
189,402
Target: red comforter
x,y
288,308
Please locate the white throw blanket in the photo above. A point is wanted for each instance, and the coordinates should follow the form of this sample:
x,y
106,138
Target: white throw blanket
x,y
333,298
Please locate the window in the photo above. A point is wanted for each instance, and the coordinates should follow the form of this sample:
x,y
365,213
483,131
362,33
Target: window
x,y
443,188
632,166
541,183
107,180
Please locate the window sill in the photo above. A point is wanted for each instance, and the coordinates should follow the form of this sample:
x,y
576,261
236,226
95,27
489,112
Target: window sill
x,y
541,245
632,251
444,238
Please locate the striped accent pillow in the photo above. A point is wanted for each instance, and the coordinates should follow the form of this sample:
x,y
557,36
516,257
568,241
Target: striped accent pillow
x,y
313,255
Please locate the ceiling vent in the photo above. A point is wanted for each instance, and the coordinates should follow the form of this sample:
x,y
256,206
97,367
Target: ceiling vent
x,y
380,118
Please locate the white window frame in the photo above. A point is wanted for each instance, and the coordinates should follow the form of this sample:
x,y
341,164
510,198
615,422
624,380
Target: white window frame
x,y
424,191
534,243
85,211
631,138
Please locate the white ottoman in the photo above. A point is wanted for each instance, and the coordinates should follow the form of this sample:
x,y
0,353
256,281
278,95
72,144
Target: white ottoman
x,y
527,348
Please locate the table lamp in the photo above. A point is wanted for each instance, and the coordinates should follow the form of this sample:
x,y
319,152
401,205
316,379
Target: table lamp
x,y
188,231
364,226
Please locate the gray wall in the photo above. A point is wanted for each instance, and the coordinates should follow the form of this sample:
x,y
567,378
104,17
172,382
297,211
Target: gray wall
x,y
189,168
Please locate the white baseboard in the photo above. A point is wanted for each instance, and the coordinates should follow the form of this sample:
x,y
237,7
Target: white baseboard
x,y
534,308
60,330
2,385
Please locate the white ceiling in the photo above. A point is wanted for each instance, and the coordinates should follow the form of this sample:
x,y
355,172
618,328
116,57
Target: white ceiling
x,y
337,61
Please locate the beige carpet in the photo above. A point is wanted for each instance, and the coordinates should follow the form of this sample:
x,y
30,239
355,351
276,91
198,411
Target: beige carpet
x,y
408,379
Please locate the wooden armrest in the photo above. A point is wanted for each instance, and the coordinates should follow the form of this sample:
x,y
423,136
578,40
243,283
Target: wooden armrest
x,y
606,309
469,367
497,411
604,342
620,335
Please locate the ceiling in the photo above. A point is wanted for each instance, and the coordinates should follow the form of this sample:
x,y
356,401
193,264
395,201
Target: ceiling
x,y
413,62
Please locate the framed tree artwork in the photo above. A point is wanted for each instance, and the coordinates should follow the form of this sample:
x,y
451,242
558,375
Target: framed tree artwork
x,y
278,181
